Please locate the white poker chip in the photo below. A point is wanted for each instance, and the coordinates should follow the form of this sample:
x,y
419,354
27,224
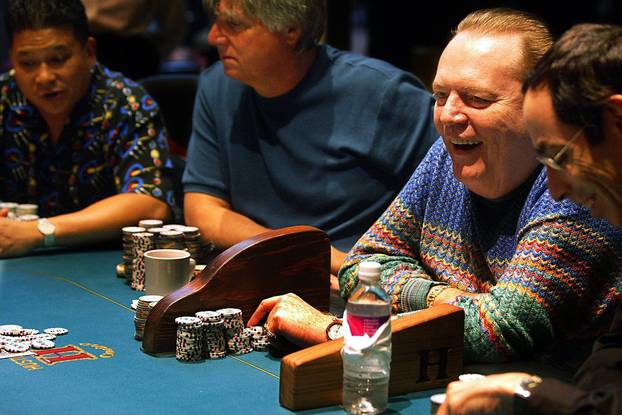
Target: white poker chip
x,y
470,377
17,347
28,332
42,344
58,331
150,298
10,330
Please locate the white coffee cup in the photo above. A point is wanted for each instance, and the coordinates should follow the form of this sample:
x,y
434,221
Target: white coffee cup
x,y
167,270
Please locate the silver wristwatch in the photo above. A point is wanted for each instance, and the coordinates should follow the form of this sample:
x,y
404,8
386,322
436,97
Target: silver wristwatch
x,y
333,330
47,229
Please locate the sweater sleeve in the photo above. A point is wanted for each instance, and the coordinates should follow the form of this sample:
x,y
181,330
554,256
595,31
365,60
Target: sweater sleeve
x,y
557,286
393,241
553,397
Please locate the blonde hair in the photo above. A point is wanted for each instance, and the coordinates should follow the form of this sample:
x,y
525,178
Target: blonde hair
x,y
537,37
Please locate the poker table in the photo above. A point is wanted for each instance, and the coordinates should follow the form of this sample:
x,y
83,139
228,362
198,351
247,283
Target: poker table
x,y
98,366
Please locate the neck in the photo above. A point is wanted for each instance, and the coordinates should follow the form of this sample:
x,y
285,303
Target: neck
x,y
55,126
289,74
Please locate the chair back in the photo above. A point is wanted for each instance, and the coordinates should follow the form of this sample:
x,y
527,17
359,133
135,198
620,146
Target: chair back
x,y
175,94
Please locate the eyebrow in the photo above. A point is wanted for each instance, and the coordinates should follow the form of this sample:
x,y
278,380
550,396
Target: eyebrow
x,y
55,48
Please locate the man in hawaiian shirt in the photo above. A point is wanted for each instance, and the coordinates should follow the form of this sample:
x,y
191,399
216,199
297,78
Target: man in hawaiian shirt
x,y
85,144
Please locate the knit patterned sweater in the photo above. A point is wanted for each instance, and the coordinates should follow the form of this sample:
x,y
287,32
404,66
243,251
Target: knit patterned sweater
x,y
548,273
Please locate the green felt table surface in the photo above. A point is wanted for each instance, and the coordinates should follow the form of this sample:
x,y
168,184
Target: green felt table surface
x,y
79,290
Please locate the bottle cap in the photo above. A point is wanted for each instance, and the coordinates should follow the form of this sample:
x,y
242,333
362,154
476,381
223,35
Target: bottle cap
x,y
369,271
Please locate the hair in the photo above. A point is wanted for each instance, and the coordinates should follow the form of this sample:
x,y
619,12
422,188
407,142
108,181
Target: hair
x,y
582,70
44,14
536,34
279,15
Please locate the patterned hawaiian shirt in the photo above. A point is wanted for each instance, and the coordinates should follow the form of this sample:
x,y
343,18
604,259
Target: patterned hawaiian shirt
x,y
114,142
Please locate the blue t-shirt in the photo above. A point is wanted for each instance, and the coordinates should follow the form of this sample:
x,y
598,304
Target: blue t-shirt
x,y
331,153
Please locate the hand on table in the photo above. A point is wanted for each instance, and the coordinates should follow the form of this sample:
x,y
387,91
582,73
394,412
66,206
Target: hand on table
x,y
18,238
450,294
491,395
292,318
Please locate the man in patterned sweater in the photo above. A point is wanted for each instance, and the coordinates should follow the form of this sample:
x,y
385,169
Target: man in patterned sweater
x,y
530,273
85,144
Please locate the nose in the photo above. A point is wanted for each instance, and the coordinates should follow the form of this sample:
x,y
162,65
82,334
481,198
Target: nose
x,y
215,36
558,185
452,112
45,76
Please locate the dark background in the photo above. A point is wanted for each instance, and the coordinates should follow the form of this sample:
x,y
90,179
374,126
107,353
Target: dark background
x,y
400,31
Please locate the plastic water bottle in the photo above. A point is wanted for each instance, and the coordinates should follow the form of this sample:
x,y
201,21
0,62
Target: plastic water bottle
x,y
367,365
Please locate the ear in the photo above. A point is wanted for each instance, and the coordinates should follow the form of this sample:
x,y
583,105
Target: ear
x,y
613,112
91,50
292,36
614,105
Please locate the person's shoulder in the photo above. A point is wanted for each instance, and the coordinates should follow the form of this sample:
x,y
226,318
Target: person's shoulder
x,y
214,84
352,63
116,83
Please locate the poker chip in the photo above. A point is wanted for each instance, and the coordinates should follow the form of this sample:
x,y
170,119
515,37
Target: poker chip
x,y
57,331
470,377
143,307
10,330
17,339
17,347
42,344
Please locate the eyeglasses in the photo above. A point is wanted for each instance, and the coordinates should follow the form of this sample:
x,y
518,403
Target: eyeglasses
x,y
554,162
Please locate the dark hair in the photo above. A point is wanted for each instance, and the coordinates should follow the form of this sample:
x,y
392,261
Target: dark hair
x,y
44,14
582,70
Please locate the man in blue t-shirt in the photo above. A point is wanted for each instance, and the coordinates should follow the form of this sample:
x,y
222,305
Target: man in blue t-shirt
x,y
287,132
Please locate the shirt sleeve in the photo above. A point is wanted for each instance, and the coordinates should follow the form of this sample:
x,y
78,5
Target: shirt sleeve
x,y
144,164
404,127
203,173
553,397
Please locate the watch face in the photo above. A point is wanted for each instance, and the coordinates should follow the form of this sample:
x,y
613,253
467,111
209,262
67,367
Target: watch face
x,y
47,228
334,332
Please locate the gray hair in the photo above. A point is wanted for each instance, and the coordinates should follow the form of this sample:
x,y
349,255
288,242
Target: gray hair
x,y
279,15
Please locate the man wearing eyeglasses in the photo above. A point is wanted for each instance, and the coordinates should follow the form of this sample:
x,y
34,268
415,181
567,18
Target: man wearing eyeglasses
x,y
573,112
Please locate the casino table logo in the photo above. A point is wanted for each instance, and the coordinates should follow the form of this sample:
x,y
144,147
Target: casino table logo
x,y
63,354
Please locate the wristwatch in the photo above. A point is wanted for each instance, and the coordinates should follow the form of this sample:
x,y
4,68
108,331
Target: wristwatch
x,y
333,330
47,228
523,392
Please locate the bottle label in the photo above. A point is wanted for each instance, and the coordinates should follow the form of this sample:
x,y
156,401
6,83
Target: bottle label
x,y
361,325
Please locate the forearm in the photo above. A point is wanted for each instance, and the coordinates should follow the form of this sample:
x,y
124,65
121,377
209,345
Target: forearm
x,y
104,219
217,222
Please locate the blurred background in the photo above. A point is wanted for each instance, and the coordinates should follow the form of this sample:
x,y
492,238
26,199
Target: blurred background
x,y
398,31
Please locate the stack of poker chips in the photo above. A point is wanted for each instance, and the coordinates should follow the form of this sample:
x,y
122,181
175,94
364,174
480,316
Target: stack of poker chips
x,y
141,243
128,256
214,345
11,207
170,239
143,308
16,339
189,342
260,338
27,218
238,341
150,223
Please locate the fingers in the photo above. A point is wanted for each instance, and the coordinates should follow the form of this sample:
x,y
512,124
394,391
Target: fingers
x,y
263,309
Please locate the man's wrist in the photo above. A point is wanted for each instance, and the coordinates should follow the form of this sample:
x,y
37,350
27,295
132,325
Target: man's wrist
x,y
434,292
48,230
523,393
